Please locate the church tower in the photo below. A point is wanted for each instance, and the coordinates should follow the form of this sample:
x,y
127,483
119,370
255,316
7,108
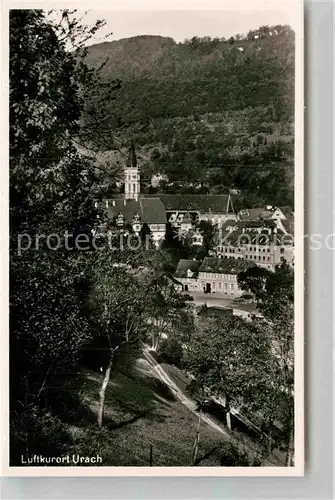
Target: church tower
x,y
131,175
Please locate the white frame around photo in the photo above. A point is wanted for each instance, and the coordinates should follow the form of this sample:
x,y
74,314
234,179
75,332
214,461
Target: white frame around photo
x,y
295,7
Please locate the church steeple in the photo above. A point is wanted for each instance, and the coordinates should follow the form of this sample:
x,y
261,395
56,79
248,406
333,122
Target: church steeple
x,y
132,175
132,160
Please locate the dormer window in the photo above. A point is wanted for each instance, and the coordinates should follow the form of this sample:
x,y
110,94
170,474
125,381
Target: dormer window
x,y
189,273
136,218
120,220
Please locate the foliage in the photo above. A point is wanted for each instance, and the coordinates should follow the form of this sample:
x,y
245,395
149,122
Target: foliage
x,y
51,197
274,293
228,124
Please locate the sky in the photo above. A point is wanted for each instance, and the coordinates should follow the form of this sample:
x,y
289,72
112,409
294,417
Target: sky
x,y
179,24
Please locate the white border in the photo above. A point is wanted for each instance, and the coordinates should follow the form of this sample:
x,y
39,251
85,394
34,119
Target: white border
x,y
296,8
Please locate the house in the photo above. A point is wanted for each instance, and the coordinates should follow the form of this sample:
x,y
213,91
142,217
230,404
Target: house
x,y
282,216
219,276
213,208
187,274
184,222
212,275
136,213
195,237
156,179
259,242
131,210
253,214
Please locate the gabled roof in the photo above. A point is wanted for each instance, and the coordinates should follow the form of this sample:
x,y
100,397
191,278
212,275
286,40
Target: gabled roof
x,y
266,223
151,210
224,266
184,265
255,213
287,212
195,202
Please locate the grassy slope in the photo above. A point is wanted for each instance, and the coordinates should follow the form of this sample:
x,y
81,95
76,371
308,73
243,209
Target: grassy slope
x,y
141,411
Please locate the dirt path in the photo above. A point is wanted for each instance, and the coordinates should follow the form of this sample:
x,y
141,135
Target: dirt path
x,y
185,400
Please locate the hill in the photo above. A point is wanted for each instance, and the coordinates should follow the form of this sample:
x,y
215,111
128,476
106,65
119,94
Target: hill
x,y
214,112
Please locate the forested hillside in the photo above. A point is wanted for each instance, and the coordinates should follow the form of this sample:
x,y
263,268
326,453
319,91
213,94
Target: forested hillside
x,y
215,113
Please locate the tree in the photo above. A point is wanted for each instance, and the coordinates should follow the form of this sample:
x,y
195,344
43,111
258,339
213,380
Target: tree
x,y
118,313
52,193
230,359
207,231
167,309
274,293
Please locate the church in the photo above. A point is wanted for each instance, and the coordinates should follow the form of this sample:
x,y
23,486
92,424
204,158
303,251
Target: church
x,y
135,210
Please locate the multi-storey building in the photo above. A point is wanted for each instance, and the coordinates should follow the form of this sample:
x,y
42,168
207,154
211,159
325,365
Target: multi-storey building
x,y
258,241
212,275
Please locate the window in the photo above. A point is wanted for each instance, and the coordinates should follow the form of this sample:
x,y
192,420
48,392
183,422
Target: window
x,y
268,249
282,250
268,258
263,257
134,188
231,287
220,285
213,285
226,286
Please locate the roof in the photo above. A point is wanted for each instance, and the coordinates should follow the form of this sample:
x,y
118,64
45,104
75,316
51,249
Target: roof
x,y
287,212
259,223
288,225
255,213
151,210
230,223
224,266
197,202
184,265
239,238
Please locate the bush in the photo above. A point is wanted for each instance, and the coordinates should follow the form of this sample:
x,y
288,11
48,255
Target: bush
x,y
171,351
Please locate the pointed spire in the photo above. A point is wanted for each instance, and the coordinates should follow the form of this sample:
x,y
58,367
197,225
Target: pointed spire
x,y
132,160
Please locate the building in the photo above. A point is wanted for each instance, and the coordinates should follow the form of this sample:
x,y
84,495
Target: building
x,y
132,176
156,179
195,237
257,241
282,216
213,208
132,210
212,275
124,213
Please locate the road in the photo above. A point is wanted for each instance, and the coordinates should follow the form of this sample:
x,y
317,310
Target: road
x,y
212,300
185,400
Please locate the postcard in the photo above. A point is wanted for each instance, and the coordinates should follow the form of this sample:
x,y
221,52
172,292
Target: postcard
x,y
156,274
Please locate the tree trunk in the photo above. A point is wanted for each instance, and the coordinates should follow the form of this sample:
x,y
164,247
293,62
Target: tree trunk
x,y
228,414
196,441
290,447
102,392
270,438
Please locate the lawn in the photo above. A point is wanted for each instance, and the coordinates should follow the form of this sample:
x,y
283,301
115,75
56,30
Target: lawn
x,y
141,412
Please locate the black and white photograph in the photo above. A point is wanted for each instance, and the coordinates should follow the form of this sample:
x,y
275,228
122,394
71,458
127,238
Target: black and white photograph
x,y
155,219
